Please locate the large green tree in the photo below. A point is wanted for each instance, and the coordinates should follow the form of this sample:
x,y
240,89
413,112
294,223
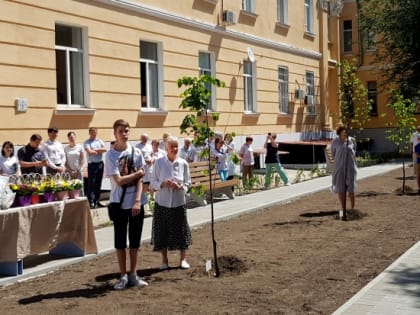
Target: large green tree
x,y
396,24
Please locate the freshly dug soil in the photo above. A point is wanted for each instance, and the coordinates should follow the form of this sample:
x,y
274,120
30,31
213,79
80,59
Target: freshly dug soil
x,y
290,259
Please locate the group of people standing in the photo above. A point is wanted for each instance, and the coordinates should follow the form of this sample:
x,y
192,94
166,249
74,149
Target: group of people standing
x,y
52,157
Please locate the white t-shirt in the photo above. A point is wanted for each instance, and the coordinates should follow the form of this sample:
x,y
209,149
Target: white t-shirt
x,y
116,163
9,165
73,156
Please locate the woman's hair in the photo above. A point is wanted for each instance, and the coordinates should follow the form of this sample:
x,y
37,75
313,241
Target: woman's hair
x,y
10,144
71,133
247,139
340,130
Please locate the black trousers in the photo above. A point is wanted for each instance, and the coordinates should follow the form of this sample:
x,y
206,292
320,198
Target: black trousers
x,y
95,175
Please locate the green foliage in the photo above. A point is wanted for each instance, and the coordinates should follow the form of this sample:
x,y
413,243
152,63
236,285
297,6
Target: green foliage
x,y
196,97
353,95
366,159
405,121
397,25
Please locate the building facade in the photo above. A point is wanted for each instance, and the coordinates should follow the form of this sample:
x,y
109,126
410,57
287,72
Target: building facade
x,y
75,64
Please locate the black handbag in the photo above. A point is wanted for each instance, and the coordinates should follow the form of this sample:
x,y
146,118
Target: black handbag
x,y
114,208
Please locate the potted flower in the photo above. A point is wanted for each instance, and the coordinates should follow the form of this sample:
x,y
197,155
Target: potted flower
x,y
61,189
75,186
47,189
23,192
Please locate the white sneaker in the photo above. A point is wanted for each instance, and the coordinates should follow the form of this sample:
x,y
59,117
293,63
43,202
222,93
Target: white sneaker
x,y
135,281
122,283
288,184
185,265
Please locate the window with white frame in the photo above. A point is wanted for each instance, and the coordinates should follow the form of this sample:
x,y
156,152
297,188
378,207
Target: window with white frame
x,y
309,16
206,66
248,5
249,87
347,36
282,11
150,75
70,66
310,92
284,90
373,97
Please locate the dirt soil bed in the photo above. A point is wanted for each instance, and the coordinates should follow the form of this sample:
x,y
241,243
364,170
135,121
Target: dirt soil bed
x,y
290,259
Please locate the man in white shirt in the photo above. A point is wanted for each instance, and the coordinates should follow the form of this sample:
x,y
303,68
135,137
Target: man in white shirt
x,y
54,152
95,148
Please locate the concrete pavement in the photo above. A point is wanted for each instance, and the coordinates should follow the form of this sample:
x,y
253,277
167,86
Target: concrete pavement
x,y
395,291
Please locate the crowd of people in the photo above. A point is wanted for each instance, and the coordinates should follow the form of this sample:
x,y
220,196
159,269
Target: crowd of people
x,y
159,169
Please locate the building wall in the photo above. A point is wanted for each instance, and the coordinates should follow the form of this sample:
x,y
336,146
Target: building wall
x,y
183,28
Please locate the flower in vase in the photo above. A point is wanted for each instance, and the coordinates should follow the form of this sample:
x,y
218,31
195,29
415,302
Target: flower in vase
x,y
76,184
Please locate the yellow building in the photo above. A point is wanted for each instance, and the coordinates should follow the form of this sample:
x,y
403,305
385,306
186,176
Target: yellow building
x,y
361,47
75,64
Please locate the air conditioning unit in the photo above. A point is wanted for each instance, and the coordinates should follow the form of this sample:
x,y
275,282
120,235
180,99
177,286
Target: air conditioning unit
x,y
228,17
299,94
309,100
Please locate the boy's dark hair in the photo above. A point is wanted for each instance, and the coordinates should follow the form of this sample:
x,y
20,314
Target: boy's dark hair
x,y
249,139
36,137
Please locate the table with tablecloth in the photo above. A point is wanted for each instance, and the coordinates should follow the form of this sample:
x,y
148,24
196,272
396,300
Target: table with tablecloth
x,y
63,228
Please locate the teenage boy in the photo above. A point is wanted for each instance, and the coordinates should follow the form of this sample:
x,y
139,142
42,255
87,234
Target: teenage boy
x,y
124,165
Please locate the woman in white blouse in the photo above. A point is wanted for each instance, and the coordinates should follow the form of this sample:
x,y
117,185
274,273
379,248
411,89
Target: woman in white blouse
x,y
75,156
9,164
170,229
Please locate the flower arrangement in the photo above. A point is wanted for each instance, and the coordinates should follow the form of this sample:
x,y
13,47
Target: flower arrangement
x,y
46,186
23,189
76,184
62,185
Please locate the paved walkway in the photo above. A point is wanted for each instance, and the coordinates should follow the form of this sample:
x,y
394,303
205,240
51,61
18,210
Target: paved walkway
x,y
395,291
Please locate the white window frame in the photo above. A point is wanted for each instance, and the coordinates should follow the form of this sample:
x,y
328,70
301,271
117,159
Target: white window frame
x,y
211,72
82,75
309,17
159,83
347,34
248,6
283,81
250,79
310,91
282,11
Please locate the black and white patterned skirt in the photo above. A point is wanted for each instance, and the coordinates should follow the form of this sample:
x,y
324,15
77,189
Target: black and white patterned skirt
x,y
170,228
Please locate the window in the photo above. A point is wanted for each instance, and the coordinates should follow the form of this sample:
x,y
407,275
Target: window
x,y
284,90
309,16
70,69
205,64
282,11
150,75
347,36
373,97
249,87
370,40
248,5
310,92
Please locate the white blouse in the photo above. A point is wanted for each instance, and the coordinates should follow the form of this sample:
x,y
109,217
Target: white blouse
x,y
177,170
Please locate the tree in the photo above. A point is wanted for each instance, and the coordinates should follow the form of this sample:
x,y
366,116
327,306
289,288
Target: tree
x,y
404,127
396,24
355,105
196,97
